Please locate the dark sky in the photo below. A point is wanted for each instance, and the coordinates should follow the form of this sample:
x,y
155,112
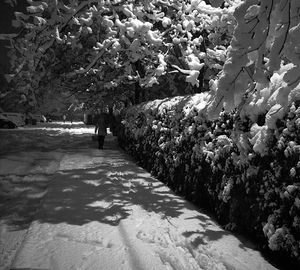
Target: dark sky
x,y
6,16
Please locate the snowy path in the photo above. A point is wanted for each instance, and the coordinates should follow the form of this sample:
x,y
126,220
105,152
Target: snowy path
x,y
102,211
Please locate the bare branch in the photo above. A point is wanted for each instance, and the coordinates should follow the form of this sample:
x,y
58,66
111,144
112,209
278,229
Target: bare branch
x,y
287,28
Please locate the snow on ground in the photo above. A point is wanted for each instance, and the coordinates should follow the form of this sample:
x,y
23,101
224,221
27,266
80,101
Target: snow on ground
x,y
96,209
29,157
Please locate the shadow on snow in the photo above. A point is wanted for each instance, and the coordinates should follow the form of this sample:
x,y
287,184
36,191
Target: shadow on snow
x,y
104,191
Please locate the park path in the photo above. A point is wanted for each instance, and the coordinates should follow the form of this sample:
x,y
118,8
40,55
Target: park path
x,y
102,211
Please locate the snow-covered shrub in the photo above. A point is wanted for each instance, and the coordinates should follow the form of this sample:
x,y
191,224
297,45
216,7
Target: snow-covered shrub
x,y
244,172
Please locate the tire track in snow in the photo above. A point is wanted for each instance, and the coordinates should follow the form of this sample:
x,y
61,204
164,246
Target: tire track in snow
x,y
134,258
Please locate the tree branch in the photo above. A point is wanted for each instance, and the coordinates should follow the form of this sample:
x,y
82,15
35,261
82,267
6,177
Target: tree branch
x,y
87,69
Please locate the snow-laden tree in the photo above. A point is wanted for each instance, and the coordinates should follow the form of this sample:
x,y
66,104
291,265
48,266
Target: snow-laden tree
x,y
90,47
261,73
260,77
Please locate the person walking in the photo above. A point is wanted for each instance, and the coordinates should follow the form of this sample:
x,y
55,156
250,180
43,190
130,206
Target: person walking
x,y
100,129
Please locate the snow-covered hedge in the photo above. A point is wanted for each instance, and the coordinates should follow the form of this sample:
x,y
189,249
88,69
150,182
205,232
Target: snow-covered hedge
x,y
243,170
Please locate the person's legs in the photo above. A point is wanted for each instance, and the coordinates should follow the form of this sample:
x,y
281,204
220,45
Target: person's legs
x,y
100,141
103,137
